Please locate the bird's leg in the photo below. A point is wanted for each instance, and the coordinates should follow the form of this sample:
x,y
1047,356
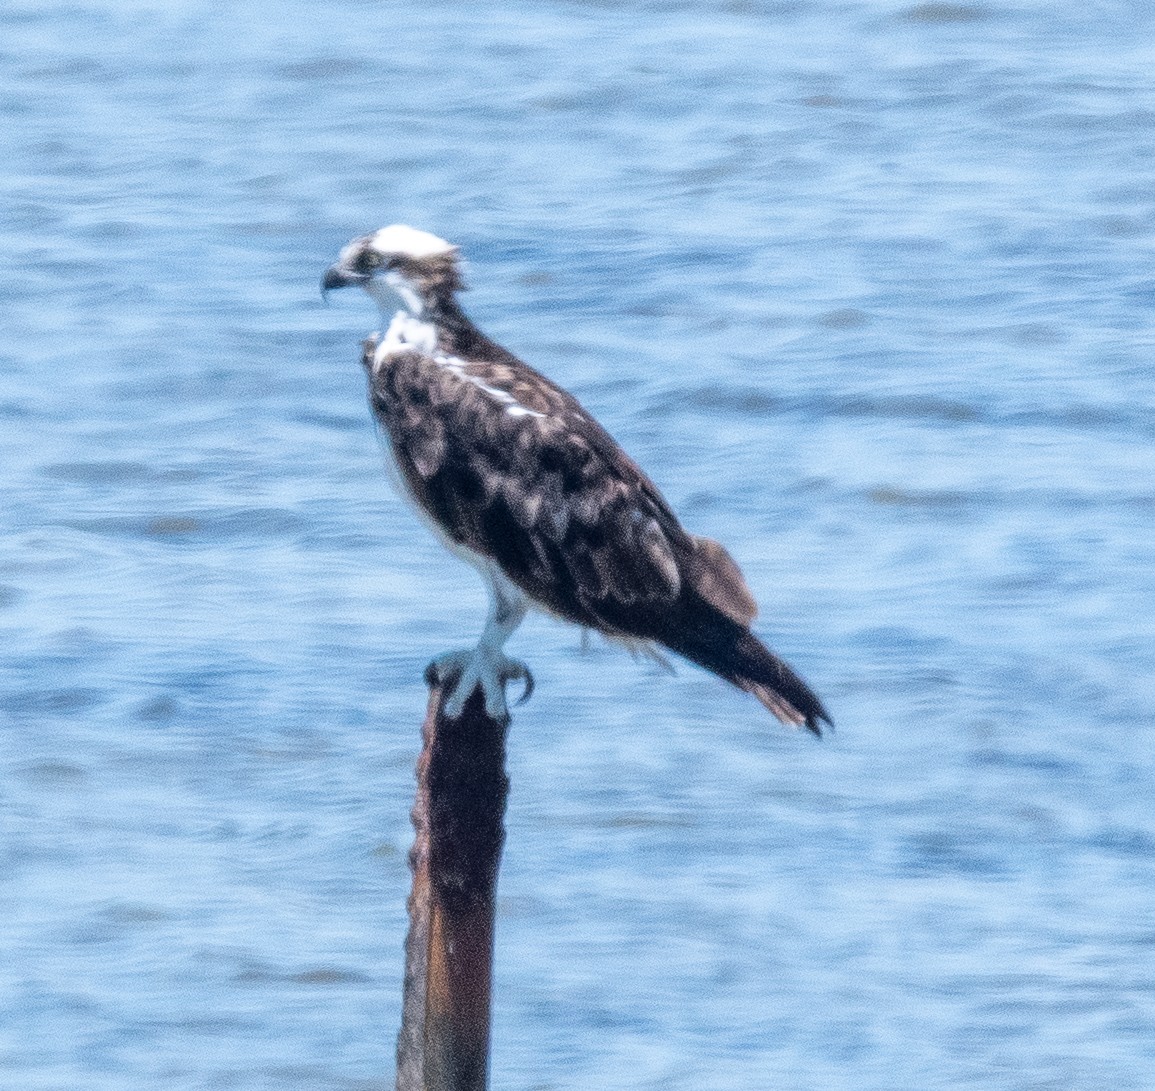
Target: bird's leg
x,y
486,665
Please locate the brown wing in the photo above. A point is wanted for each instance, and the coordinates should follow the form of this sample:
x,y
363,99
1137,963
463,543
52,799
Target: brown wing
x,y
513,467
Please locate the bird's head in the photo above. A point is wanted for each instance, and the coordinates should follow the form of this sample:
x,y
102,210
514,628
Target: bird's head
x,y
398,261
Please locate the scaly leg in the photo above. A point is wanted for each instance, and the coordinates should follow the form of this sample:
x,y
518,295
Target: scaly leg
x,y
486,665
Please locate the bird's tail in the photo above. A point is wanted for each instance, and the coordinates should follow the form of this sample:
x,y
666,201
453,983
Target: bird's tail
x,y
776,684
732,651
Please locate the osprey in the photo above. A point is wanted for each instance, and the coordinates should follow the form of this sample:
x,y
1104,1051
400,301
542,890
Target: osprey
x,y
514,476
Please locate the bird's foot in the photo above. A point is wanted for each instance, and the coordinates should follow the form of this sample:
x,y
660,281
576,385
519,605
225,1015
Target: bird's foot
x,y
461,672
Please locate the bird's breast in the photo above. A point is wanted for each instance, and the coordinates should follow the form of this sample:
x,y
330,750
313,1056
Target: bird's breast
x,y
405,334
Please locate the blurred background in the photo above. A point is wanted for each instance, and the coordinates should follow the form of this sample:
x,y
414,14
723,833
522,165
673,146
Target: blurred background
x,y
867,289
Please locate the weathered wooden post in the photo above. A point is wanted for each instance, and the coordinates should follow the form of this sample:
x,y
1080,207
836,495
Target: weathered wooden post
x,y
458,818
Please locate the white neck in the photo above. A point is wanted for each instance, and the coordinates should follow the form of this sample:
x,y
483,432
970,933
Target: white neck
x,y
387,290
409,296
407,332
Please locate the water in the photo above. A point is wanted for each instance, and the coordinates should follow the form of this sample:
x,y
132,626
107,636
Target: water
x,y
865,286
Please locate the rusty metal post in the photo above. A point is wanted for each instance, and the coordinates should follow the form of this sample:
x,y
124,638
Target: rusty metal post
x,y
458,819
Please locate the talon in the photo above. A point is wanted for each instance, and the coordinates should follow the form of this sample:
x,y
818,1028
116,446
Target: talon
x,y
460,673
447,671
517,671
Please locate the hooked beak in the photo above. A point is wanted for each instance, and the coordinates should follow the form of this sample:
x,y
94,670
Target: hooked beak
x,y
337,276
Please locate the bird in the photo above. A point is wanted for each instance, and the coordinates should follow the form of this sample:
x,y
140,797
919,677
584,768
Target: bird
x,y
515,477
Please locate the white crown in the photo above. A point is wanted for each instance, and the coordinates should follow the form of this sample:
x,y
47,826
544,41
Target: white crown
x,y
400,239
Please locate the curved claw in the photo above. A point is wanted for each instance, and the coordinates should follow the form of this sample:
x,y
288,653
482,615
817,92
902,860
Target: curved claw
x,y
446,669
460,673
517,671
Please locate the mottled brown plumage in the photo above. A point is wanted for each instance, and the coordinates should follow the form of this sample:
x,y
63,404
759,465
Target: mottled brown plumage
x,y
510,467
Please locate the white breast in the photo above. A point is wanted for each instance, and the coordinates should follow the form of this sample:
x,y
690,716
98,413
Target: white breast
x,y
405,333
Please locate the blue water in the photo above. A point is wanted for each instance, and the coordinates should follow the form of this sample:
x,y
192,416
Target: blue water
x,y
867,287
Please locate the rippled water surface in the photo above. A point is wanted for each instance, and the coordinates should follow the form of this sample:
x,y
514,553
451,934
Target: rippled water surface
x,y
868,289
